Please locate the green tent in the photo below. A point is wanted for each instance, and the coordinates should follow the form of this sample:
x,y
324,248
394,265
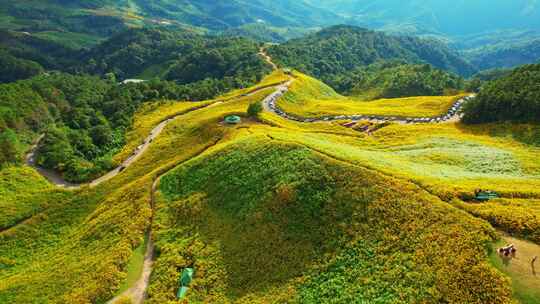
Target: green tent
x,y
185,279
182,292
233,119
485,196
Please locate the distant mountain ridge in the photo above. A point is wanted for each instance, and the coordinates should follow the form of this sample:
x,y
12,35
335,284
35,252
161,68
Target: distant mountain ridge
x,y
90,21
505,56
471,26
447,17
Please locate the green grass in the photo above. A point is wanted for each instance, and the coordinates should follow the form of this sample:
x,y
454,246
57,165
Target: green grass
x,y
281,222
79,248
22,191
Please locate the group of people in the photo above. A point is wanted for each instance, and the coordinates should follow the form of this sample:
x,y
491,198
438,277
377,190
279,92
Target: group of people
x,y
508,250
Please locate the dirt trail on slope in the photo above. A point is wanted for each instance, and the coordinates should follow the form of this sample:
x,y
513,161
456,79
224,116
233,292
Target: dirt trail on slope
x,y
138,292
520,267
268,59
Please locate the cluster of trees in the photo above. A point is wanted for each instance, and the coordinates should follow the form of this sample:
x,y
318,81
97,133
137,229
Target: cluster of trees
x,y
515,97
475,83
389,79
84,118
13,68
337,50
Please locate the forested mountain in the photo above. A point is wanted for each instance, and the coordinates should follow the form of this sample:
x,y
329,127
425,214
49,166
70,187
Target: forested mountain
x,y
467,25
337,50
83,23
23,56
505,56
514,97
182,56
222,14
397,79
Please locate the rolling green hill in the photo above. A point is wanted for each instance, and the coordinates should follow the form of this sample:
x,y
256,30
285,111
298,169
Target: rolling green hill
x,y
246,163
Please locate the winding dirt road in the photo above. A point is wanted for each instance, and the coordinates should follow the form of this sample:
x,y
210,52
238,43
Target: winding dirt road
x,y
137,292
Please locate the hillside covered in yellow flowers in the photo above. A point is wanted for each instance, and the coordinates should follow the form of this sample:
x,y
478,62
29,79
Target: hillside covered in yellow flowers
x,y
276,210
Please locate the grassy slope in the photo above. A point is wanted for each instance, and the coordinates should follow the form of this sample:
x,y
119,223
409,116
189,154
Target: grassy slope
x,y
303,228
21,191
310,98
78,250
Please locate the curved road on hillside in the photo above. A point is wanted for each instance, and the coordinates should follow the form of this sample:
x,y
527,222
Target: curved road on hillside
x,y
137,292
56,179
269,103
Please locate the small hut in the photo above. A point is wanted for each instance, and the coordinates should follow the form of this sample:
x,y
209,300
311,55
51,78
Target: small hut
x,y
233,120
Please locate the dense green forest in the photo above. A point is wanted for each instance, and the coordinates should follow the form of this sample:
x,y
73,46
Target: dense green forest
x,y
84,118
505,56
335,51
183,56
23,56
388,79
515,97
86,22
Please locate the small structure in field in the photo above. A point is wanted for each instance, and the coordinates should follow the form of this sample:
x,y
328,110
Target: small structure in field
x,y
485,195
232,120
185,279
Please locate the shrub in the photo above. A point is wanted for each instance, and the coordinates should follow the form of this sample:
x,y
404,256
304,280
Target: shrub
x,y
254,109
